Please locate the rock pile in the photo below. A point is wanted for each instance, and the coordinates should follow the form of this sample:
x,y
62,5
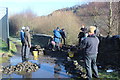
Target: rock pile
x,y
24,67
72,67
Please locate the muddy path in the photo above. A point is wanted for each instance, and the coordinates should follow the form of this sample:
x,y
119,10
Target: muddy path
x,y
47,66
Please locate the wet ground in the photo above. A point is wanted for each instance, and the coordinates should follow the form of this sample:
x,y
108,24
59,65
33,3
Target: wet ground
x,y
52,65
47,69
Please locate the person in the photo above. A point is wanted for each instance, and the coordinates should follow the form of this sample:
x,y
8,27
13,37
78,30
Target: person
x,y
63,35
57,37
52,45
90,46
97,32
82,33
22,35
27,43
83,28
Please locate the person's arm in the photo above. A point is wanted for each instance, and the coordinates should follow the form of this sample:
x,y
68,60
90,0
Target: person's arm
x,y
83,44
29,40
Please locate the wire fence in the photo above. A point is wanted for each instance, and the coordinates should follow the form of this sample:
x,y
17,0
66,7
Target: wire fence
x,y
4,25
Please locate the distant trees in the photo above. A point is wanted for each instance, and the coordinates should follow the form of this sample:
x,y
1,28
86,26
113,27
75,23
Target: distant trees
x,y
46,24
102,14
113,19
18,20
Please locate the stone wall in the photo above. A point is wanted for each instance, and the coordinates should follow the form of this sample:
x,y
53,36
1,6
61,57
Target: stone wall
x,y
41,39
109,50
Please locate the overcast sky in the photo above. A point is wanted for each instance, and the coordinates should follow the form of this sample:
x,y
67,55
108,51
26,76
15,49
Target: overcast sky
x,y
39,7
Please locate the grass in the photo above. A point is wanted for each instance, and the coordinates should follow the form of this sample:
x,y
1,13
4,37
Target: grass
x,y
2,60
4,49
109,76
15,40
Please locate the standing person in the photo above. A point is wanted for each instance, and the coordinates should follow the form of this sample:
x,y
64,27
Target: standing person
x,y
27,43
62,32
97,32
83,28
57,37
82,33
22,36
90,46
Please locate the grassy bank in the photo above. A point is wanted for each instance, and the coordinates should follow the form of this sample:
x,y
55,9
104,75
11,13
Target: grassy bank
x,y
4,49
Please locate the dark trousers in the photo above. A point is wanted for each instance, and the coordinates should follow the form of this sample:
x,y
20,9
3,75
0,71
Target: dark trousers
x,y
90,65
25,52
22,49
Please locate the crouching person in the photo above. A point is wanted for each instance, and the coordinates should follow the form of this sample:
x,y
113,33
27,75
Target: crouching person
x,y
90,46
57,38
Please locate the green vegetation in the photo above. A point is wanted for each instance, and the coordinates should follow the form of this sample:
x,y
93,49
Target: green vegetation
x,y
15,40
111,75
4,50
2,60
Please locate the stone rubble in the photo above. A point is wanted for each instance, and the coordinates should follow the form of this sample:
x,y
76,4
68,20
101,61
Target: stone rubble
x,y
26,67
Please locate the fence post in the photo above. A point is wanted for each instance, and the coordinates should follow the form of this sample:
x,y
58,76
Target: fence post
x,y
7,29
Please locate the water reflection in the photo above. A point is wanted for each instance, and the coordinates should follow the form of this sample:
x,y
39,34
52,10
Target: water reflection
x,y
47,65
27,75
57,69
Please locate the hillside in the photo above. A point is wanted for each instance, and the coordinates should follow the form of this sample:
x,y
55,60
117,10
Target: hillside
x,y
69,18
98,13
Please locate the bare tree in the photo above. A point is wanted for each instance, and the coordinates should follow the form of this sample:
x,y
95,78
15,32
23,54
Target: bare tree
x,y
119,17
110,19
105,16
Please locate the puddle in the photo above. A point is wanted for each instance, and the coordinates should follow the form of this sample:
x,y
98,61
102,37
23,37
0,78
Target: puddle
x,y
46,70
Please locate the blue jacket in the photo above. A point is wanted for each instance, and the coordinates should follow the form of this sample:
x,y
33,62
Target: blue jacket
x,y
57,36
22,35
90,45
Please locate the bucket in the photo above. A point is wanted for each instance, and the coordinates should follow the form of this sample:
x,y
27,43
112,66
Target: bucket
x,y
71,54
35,54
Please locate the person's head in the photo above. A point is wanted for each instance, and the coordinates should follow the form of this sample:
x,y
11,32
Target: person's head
x,y
23,28
58,28
92,29
83,26
95,25
27,29
62,29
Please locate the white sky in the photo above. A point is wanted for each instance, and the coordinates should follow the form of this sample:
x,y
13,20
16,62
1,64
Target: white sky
x,y
40,7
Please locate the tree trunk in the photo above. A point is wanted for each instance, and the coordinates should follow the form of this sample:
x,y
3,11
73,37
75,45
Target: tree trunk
x,y
110,19
119,18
